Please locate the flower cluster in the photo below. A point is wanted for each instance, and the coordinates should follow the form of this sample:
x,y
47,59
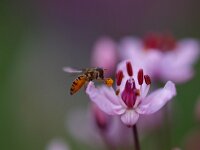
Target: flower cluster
x,y
144,62
162,56
97,128
130,99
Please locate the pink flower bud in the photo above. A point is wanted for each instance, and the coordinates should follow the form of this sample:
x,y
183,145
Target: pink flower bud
x,y
101,119
104,54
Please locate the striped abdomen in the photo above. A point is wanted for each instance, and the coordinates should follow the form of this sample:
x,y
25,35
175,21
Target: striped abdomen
x,y
78,83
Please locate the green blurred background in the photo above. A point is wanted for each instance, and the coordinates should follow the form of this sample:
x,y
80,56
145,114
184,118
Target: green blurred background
x,y
38,38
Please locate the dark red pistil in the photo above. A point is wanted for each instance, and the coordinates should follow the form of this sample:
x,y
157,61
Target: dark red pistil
x,y
129,94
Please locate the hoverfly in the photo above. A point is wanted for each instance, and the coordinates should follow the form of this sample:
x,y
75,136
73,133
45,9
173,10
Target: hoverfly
x,y
86,75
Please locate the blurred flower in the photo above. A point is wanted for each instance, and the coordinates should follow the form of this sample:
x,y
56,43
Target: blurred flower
x,y
176,148
133,100
197,110
101,120
150,123
104,54
162,56
57,144
192,140
98,128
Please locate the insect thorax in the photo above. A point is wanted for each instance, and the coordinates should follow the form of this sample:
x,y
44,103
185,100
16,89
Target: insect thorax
x,y
94,73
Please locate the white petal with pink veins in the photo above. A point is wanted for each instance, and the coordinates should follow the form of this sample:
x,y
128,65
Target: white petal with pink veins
x,y
106,100
157,99
111,95
130,117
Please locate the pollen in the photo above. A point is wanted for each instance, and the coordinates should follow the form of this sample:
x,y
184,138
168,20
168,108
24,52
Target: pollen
x,y
119,77
140,76
147,79
129,68
108,82
137,92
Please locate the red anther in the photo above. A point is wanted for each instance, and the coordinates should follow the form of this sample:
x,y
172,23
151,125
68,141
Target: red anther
x,y
140,76
147,79
119,77
129,68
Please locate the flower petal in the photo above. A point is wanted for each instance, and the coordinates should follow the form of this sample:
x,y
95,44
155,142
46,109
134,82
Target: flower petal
x,y
88,133
177,65
157,99
130,117
176,74
105,99
129,47
188,51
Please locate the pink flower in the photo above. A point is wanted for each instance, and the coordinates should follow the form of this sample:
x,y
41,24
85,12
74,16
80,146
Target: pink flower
x,y
104,54
97,128
101,120
130,100
162,56
192,140
197,110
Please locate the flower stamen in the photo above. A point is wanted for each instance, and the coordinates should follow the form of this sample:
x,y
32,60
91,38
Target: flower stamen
x,y
117,91
147,79
119,77
140,77
129,68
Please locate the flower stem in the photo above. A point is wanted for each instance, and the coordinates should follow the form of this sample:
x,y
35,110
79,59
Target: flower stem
x,y
167,126
136,139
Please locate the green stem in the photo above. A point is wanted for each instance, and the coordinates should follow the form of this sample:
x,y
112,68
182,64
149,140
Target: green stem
x,y
136,139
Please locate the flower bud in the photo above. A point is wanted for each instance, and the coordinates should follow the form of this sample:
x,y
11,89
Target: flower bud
x,y
104,54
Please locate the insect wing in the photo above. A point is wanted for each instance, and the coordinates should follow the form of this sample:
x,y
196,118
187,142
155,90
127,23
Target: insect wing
x,y
71,70
77,84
